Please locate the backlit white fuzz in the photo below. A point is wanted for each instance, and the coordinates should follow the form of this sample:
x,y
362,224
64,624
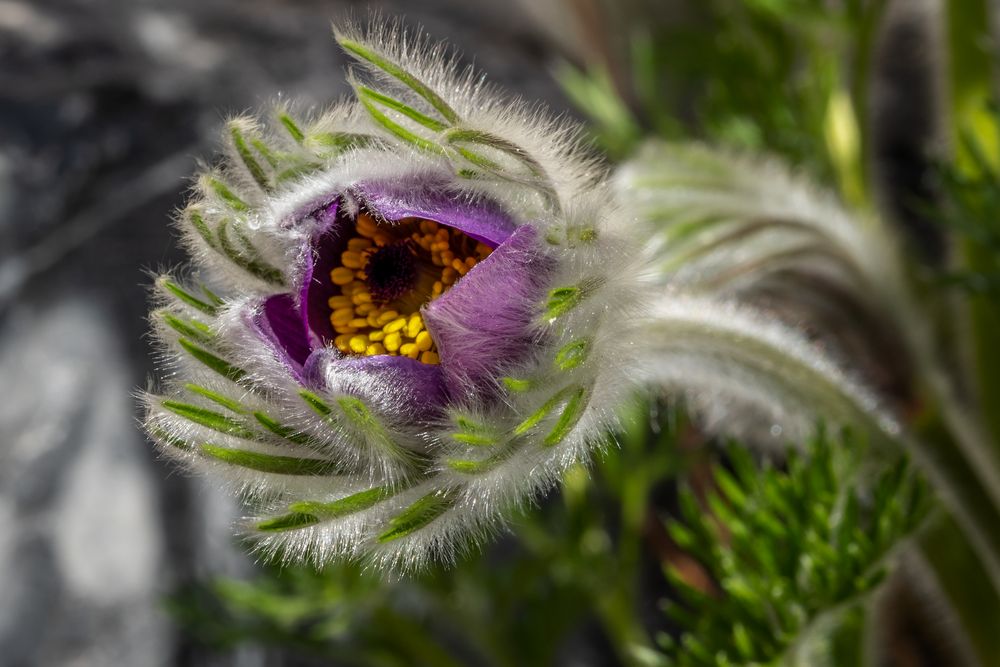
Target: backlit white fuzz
x,y
340,452
422,307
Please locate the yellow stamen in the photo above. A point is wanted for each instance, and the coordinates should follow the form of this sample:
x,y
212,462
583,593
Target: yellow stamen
x,y
394,326
366,327
424,341
415,325
342,276
353,260
359,344
393,341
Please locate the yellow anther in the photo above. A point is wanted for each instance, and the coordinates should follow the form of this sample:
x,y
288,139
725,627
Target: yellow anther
x,y
424,341
353,260
342,276
395,325
342,316
387,316
393,341
366,226
359,344
414,326
353,287
336,302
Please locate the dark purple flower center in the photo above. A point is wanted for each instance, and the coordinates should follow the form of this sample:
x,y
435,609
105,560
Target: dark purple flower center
x,y
391,271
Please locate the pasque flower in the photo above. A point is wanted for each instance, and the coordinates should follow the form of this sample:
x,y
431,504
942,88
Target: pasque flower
x,y
416,316
414,311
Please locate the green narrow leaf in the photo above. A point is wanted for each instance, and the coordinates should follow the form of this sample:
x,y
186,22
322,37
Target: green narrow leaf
x,y
341,141
172,440
291,127
217,364
396,105
287,522
516,384
227,196
394,70
212,296
200,226
186,297
472,432
298,170
281,430
564,299
572,354
269,155
189,328
567,419
246,156
216,397
536,417
399,130
255,267
319,406
470,467
344,506
475,439
278,465
417,515
209,419
358,414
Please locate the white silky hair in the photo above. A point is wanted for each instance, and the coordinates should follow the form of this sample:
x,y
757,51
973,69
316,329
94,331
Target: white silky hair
x,y
626,328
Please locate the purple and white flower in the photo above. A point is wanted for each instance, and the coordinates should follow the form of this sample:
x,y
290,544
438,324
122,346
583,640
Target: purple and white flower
x,y
415,311
418,316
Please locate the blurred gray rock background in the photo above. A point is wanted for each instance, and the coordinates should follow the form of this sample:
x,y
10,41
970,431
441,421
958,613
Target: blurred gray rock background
x,y
105,108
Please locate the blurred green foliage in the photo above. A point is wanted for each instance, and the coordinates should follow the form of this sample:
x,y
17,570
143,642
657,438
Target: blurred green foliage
x,y
788,77
790,551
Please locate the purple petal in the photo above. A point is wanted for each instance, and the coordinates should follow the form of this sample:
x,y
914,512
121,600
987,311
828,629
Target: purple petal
x,y
280,324
323,255
396,385
483,324
481,218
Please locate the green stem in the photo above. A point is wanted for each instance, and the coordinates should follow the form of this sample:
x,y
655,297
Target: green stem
x,y
971,87
940,446
959,573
